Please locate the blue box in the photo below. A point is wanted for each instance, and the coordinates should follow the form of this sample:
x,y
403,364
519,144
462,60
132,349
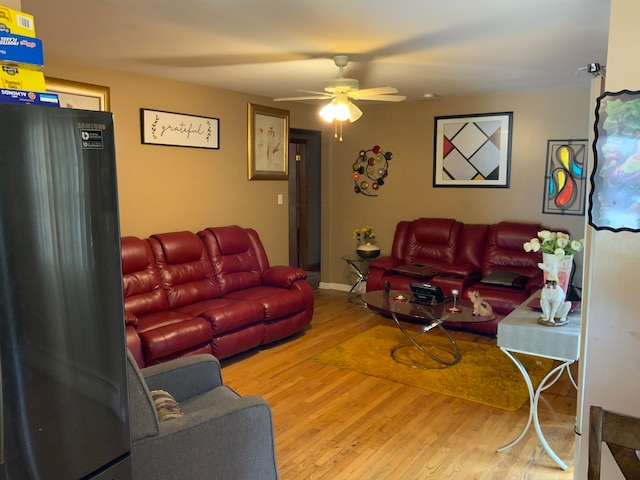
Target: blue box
x,y
9,95
16,49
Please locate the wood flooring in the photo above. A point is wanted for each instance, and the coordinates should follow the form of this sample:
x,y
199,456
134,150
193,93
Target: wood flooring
x,y
333,424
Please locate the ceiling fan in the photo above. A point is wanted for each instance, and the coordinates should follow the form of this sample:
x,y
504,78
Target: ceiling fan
x,y
341,91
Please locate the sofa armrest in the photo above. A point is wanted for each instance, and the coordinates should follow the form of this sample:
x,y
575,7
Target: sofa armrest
x,y
185,377
282,276
386,263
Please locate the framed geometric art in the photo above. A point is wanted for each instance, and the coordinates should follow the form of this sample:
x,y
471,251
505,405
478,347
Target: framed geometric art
x,y
472,150
565,180
614,200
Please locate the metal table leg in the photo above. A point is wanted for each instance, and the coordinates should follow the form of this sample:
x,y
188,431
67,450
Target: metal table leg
x,y
413,342
534,396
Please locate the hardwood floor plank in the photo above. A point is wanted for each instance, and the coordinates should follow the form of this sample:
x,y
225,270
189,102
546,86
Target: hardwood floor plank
x,y
333,424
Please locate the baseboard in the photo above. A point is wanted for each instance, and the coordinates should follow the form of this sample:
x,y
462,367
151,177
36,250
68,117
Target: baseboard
x,y
334,286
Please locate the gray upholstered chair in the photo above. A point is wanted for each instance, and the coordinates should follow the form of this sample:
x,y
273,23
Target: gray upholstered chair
x,y
214,434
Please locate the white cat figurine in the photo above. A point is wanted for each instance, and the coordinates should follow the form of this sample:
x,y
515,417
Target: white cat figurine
x,y
552,298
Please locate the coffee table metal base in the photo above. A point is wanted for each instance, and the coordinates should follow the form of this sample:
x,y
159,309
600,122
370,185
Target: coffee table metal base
x,y
413,337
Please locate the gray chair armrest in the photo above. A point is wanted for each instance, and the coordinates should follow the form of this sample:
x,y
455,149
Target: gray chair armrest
x,y
185,377
229,438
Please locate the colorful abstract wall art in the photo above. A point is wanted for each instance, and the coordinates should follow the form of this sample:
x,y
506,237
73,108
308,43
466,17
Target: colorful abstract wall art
x,y
472,150
565,180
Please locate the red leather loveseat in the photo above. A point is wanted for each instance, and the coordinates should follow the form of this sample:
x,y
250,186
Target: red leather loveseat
x,y
211,292
487,258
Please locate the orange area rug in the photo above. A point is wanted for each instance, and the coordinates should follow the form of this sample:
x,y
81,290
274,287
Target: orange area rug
x,y
484,373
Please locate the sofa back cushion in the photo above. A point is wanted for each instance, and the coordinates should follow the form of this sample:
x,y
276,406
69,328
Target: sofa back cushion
x,y
471,246
143,290
234,257
505,250
432,241
186,271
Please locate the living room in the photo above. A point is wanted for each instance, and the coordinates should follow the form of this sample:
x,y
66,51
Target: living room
x,y
168,188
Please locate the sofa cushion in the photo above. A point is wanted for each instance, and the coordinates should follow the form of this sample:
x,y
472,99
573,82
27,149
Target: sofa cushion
x,y
165,339
505,249
141,282
226,314
232,239
277,302
433,230
233,257
432,241
185,267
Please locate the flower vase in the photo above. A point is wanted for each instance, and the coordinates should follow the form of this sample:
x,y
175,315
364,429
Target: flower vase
x,y
368,250
564,266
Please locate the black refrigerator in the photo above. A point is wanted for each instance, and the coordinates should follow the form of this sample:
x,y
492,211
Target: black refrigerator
x,y
63,405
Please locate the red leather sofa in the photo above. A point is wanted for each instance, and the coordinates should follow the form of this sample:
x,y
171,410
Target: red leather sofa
x,y
487,258
211,292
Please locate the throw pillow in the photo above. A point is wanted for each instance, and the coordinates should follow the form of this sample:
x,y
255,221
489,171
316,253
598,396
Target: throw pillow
x,y
166,405
504,278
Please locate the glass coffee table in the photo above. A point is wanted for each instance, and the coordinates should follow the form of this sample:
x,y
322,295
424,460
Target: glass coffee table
x,y
405,312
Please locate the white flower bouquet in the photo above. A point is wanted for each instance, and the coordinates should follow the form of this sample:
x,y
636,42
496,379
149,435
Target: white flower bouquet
x,y
556,243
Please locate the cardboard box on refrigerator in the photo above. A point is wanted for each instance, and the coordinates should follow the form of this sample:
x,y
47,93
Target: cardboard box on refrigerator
x,y
18,78
16,49
18,23
28,97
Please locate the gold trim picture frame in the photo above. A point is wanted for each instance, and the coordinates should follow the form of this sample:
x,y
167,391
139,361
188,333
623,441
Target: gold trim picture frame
x,y
78,95
268,143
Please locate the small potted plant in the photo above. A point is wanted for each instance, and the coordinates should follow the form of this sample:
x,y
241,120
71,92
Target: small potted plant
x,y
366,242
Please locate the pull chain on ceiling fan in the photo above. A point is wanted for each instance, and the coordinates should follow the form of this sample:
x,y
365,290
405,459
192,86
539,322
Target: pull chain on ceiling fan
x,y
341,91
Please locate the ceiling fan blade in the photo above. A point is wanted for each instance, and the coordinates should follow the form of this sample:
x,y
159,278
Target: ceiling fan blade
x,y
384,98
316,92
374,91
309,97
354,112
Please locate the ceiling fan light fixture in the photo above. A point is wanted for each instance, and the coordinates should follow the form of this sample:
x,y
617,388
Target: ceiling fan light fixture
x,y
336,109
328,111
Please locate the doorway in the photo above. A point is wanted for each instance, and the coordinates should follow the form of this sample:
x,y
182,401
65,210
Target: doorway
x,y
304,202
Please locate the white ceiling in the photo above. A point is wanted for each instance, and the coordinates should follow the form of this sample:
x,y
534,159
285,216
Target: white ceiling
x,y
276,47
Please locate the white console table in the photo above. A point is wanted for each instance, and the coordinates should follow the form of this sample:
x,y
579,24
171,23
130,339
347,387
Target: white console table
x,y
520,332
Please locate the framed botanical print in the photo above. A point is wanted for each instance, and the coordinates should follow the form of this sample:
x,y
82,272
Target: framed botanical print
x,y
268,143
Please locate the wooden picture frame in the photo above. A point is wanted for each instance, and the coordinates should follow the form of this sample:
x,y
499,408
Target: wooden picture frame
x,y
268,143
565,179
614,200
158,127
473,150
78,95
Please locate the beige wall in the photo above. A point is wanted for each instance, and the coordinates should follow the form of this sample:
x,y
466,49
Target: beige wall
x,y
612,338
407,130
173,188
